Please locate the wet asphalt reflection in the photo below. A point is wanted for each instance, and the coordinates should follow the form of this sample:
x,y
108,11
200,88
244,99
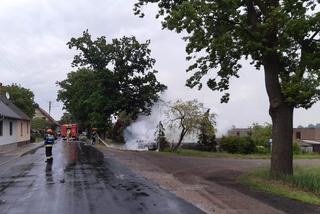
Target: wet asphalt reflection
x,y
80,180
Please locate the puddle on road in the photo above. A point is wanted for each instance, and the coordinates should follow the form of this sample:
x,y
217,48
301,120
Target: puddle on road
x,y
2,201
79,152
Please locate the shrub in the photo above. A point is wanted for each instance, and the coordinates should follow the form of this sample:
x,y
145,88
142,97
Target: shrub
x,y
296,148
262,150
233,144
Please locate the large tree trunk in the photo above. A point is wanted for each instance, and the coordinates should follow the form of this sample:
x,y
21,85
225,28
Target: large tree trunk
x,y
282,116
182,134
281,159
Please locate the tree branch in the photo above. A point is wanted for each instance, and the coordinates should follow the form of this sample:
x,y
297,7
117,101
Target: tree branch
x,y
314,35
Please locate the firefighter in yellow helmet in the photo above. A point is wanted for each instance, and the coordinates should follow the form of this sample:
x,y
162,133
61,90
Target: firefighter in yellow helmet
x,y
49,141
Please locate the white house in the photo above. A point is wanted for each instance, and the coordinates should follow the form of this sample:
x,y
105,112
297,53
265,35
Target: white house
x,y
14,125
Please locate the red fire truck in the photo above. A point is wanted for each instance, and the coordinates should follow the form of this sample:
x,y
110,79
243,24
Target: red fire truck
x,y
69,131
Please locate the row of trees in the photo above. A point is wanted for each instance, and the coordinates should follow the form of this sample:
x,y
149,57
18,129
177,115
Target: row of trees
x,y
310,126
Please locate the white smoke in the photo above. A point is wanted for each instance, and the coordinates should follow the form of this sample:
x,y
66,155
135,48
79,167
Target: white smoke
x,y
142,132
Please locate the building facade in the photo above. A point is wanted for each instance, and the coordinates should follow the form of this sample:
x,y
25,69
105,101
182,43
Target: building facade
x,y
14,124
307,138
239,132
42,114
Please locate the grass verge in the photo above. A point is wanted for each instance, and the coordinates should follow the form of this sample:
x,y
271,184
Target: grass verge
x,y
195,153
303,186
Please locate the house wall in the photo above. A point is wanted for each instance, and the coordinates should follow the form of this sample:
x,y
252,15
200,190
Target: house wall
x,y
317,133
6,138
307,133
38,114
239,132
23,132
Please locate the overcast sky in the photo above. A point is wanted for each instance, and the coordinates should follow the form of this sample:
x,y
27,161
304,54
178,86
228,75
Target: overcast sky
x,y
34,54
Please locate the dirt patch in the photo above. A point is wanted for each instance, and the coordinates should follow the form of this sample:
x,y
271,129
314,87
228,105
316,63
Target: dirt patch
x,y
210,183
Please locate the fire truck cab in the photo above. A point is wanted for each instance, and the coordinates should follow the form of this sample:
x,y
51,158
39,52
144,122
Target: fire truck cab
x,y
69,131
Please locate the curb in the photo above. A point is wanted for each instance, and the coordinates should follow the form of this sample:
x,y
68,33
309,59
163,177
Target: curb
x,y
23,153
31,150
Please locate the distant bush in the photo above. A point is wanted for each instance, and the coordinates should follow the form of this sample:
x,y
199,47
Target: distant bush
x,y
262,150
296,148
199,147
234,144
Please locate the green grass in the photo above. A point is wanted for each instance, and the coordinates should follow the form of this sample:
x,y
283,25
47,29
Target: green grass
x,y
195,153
303,186
38,139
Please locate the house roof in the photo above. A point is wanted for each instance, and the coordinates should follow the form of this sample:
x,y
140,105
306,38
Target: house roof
x,y
8,109
309,142
48,116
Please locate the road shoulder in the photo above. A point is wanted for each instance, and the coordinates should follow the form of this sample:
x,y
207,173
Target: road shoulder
x,y
206,195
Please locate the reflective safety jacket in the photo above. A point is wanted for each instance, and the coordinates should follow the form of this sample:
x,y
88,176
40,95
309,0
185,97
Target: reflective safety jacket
x,y
49,140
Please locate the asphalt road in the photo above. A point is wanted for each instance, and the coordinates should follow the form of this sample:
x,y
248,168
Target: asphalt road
x,y
80,180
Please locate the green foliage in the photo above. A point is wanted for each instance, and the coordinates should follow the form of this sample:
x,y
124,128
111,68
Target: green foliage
x,y
23,98
311,126
40,124
123,121
187,117
296,148
66,118
260,134
282,34
235,144
79,93
207,131
300,186
262,149
111,78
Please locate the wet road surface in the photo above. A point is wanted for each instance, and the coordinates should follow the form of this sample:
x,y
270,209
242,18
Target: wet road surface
x,y
80,180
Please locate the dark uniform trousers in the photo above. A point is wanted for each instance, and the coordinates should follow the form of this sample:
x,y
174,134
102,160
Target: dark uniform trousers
x,y
49,144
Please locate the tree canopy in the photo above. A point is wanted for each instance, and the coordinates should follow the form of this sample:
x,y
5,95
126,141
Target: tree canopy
x,y
187,118
22,97
66,118
40,124
160,137
111,77
280,36
207,131
261,134
220,33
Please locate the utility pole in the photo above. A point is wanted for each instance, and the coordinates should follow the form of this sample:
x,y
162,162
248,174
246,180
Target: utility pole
x,y
50,108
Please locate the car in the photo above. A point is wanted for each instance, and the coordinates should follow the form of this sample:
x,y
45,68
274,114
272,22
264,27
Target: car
x,y
152,146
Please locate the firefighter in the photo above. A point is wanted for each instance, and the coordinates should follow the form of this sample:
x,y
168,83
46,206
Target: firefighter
x,y
49,144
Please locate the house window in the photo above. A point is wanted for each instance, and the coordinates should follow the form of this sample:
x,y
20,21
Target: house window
x,y
238,134
11,130
27,128
1,128
21,131
298,135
